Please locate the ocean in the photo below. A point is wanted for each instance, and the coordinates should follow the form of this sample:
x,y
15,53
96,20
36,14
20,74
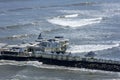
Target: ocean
x,y
90,25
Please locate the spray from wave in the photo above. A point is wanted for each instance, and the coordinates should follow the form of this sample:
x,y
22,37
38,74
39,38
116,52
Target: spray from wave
x,y
74,23
88,48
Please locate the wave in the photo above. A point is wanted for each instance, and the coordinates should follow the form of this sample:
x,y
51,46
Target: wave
x,y
81,4
105,13
69,16
2,45
2,28
50,6
20,63
74,23
22,76
88,48
19,25
21,36
38,64
19,9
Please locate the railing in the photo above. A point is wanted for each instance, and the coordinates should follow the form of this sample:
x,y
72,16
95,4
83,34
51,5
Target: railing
x,y
76,58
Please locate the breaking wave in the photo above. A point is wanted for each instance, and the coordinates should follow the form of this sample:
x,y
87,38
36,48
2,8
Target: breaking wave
x,y
20,63
69,16
74,23
88,48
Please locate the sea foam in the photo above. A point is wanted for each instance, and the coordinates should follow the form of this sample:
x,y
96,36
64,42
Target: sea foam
x,y
74,23
69,16
2,45
20,63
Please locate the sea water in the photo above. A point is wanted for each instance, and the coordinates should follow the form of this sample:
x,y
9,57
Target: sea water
x,y
90,25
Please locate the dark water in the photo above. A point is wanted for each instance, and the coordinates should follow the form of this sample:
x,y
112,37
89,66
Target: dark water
x,y
89,24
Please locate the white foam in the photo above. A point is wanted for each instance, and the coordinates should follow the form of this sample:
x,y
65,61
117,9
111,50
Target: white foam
x,y
88,48
2,45
34,63
20,63
74,23
18,36
69,16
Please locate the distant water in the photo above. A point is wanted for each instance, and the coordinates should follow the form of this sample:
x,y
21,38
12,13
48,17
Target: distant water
x,y
89,24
